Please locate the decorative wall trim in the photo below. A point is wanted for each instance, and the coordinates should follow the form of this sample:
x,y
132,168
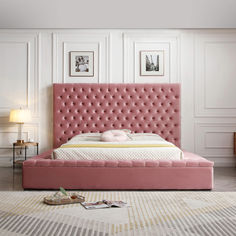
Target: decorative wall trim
x,y
32,42
202,122
221,151
54,58
27,43
134,42
207,146
200,44
62,41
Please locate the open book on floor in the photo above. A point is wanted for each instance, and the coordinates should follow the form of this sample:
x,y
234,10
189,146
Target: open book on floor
x,y
103,204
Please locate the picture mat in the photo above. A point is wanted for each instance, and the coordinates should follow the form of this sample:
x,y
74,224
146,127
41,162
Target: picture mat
x,y
74,55
154,54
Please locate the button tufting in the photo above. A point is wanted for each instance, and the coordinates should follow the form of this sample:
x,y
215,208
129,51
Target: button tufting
x,y
133,106
189,162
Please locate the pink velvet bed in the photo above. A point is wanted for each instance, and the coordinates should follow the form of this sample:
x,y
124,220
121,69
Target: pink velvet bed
x,y
82,108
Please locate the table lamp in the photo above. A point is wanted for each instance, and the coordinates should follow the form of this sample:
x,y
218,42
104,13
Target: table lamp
x,y
20,116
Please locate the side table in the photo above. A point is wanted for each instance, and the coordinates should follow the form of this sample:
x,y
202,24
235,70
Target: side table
x,y
24,145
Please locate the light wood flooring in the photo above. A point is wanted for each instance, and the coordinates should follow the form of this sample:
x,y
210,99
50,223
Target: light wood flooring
x,y
224,179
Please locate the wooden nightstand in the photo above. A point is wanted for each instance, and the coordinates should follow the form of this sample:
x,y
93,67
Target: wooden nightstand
x,y
25,146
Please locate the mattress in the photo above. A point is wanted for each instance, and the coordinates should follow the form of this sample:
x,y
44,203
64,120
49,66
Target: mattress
x,y
140,146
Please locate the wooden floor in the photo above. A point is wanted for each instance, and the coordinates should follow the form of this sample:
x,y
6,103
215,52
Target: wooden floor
x,y
224,179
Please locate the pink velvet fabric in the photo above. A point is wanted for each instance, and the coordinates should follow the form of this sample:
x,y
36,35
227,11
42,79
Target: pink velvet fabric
x,y
83,108
194,172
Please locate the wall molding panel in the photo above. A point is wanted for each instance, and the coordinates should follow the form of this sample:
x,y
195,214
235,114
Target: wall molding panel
x,y
203,61
30,73
215,140
135,42
6,109
64,42
214,73
20,73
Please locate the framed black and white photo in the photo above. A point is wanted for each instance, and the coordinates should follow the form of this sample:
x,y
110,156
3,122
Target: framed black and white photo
x,y
152,63
82,64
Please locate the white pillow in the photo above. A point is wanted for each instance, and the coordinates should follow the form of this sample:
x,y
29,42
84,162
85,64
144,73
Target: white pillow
x,y
114,136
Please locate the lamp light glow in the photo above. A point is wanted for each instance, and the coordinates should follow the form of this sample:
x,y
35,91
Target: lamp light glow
x,y
20,116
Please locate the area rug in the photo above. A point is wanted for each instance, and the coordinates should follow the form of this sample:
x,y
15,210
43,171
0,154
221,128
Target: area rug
x,y
150,213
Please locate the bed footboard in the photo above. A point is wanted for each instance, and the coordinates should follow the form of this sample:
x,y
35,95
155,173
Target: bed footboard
x,y
192,173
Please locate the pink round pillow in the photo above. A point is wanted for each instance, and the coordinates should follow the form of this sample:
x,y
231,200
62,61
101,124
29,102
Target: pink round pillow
x,y
114,136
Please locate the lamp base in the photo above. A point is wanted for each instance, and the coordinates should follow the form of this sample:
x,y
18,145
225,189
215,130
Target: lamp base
x,y
20,141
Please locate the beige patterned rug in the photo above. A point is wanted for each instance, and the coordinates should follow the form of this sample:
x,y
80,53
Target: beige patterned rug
x,y
151,213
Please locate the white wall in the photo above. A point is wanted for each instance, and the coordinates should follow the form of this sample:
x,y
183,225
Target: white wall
x,y
118,14
203,61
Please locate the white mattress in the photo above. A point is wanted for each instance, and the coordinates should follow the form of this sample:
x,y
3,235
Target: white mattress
x,y
141,146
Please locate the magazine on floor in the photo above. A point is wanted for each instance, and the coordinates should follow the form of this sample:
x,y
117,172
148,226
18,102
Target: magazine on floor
x,y
103,204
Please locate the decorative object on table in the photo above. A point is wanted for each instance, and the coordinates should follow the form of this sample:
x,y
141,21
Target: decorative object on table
x,y
20,116
152,63
24,145
62,198
82,64
103,204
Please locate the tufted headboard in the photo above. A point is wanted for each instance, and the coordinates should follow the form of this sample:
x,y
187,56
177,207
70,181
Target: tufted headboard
x,y
83,108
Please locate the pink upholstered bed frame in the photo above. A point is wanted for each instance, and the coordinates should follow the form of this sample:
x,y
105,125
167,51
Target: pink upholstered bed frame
x,y
81,108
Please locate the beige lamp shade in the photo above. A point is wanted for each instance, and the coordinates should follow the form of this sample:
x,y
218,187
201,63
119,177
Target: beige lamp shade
x,y
20,116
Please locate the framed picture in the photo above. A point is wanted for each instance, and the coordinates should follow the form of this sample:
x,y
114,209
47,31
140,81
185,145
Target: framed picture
x,y
82,64
151,63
